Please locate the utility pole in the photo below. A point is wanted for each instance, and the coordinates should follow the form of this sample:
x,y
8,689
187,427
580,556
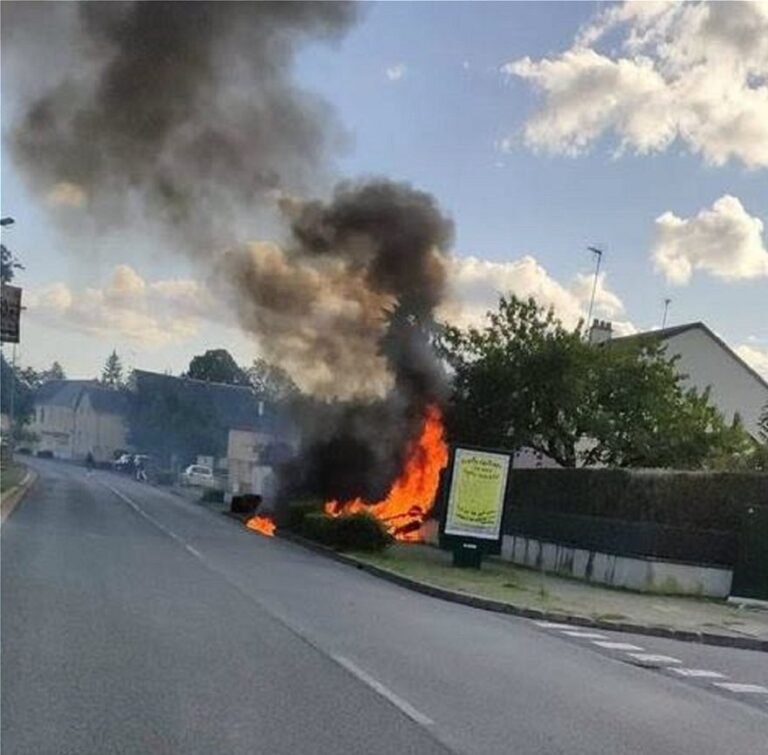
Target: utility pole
x,y
667,302
598,257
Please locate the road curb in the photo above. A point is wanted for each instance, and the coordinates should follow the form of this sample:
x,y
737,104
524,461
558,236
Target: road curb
x,y
14,496
488,604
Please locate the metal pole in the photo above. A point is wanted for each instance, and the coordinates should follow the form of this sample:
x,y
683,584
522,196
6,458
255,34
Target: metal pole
x,y
11,417
599,255
666,309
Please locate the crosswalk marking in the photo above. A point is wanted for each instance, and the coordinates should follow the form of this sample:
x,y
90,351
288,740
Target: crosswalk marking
x,y
617,645
699,673
651,658
735,687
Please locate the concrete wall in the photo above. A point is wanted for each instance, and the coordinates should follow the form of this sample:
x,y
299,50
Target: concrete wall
x,y
98,433
243,449
54,427
708,364
634,573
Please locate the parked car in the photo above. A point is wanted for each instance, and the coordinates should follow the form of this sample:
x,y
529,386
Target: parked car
x,y
198,475
123,463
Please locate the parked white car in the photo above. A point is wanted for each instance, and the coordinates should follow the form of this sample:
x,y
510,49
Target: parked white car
x,y
198,475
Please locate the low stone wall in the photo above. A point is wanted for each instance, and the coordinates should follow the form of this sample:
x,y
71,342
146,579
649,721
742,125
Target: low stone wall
x,y
631,572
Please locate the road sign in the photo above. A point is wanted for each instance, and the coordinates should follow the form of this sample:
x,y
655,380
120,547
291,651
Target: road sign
x,y
10,303
475,494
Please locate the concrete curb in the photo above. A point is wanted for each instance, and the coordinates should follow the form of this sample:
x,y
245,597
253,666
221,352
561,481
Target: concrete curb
x,y
487,604
12,497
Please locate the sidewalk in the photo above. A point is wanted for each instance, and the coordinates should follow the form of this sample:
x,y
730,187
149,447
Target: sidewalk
x,y
525,589
15,487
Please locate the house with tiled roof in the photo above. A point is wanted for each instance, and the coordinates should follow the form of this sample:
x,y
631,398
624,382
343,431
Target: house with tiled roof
x,y
75,418
706,362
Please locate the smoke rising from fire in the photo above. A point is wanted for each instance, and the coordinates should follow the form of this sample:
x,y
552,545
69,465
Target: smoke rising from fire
x,y
187,114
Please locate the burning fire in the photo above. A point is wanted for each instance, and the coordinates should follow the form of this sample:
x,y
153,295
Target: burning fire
x,y
261,524
413,493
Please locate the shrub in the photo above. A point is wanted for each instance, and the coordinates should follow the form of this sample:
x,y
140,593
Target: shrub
x,y
212,496
165,477
297,512
361,531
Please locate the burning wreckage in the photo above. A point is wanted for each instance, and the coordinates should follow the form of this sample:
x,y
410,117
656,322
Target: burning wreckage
x,y
201,132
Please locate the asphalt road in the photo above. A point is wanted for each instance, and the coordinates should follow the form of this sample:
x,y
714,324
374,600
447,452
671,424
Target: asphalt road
x,y
134,621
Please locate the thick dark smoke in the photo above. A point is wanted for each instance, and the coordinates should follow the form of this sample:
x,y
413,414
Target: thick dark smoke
x,y
348,304
188,114
185,112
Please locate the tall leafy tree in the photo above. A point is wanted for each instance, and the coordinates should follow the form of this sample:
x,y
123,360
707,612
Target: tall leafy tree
x,y
271,383
112,374
9,264
217,366
526,380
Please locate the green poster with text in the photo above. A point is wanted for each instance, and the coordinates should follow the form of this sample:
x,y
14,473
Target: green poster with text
x,y
476,496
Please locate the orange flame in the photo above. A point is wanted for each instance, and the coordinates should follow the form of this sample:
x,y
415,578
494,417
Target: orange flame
x,y
262,524
412,495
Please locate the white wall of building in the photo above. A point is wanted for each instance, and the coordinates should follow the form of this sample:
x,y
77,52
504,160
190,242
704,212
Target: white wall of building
x,y
733,388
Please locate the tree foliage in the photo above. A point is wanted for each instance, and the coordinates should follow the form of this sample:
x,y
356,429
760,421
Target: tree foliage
x,y
112,373
271,383
217,366
524,380
9,264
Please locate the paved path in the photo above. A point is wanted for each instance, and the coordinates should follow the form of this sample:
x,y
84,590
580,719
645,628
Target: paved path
x,y
136,622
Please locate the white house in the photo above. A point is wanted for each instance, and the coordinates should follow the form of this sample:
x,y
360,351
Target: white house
x,y
706,361
74,418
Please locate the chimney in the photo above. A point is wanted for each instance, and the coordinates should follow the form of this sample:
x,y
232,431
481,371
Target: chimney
x,y
600,331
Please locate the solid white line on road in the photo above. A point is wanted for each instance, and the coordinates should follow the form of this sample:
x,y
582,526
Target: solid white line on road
x,y
403,705
617,645
651,658
552,625
734,687
699,673
585,635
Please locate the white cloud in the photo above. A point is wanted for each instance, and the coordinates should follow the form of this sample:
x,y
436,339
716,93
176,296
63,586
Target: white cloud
x,y
724,240
66,194
477,284
149,314
693,71
396,72
755,356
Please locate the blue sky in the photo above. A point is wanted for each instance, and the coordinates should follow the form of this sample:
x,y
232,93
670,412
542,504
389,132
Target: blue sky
x,y
420,91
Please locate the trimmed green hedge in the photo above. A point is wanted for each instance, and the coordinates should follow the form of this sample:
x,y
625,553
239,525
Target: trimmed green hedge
x,y
691,500
360,532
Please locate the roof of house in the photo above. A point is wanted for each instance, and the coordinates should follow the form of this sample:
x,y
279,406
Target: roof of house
x,y
235,406
69,393
664,334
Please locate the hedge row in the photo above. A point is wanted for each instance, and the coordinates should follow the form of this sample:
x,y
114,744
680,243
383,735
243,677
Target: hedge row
x,y
360,532
690,500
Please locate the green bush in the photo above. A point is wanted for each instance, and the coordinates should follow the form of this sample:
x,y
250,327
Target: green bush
x,y
360,532
165,477
297,512
212,496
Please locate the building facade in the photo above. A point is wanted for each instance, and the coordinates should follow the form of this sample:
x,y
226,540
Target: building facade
x,y
75,418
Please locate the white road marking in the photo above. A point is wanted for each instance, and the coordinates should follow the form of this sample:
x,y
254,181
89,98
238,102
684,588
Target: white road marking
x,y
585,635
193,551
699,673
403,705
617,645
735,687
552,625
651,658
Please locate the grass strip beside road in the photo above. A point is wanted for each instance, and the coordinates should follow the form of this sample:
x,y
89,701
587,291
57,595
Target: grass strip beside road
x,y
11,475
526,588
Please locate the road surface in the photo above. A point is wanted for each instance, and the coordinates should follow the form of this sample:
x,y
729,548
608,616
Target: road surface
x,y
134,621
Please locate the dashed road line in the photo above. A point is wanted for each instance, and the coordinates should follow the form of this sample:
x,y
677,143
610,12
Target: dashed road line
x,y
585,635
652,658
403,705
746,688
553,625
617,645
698,673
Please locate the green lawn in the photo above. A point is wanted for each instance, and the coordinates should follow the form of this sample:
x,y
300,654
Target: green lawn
x,y
11,475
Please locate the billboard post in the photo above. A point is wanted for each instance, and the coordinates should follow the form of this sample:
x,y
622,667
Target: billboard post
x,y
476,490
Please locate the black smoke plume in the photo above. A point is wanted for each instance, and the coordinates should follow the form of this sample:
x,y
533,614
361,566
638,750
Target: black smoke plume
x,y
187,114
